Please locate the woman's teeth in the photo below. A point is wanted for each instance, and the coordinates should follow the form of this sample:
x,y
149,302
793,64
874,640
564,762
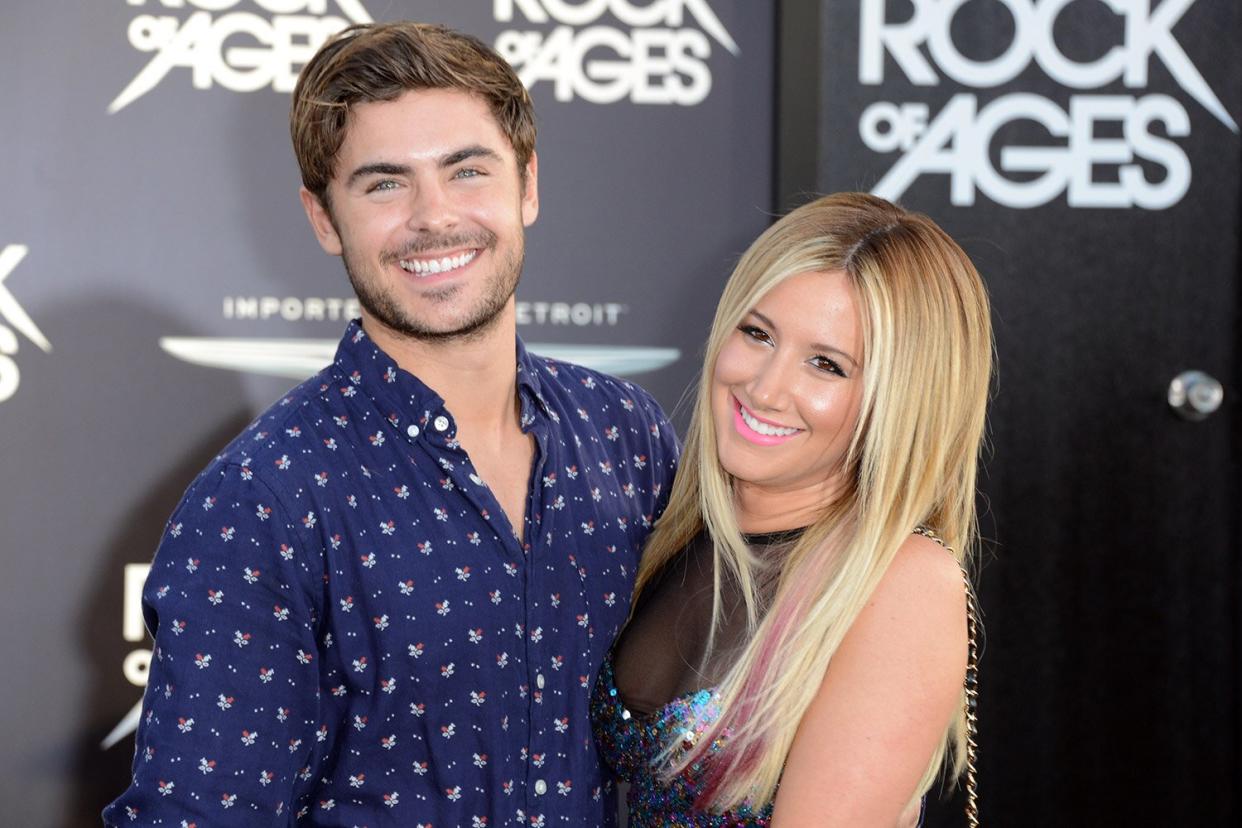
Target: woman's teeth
x,y
428,267
762,427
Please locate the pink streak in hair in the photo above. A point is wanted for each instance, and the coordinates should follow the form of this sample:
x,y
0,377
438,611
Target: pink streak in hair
x,y
730,759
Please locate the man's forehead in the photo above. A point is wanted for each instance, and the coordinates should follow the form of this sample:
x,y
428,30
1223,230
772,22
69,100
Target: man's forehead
x,y
469,109
424,123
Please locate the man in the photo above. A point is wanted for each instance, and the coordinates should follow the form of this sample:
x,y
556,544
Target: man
x,y
386,601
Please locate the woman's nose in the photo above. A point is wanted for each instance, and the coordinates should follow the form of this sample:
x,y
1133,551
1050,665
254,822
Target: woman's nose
x,y
770,386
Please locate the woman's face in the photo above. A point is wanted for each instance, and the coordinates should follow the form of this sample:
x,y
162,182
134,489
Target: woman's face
x,y
786,392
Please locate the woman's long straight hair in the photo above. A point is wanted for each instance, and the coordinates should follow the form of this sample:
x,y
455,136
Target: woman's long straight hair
x,y
912,461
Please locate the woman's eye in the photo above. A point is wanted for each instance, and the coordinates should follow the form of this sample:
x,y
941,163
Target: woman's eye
x,y
758,334
827,365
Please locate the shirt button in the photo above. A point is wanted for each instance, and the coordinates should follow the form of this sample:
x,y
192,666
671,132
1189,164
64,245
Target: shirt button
x,y
539,682
441,423
541,787
412,431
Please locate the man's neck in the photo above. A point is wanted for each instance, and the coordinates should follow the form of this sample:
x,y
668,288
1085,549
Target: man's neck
x,y
476,376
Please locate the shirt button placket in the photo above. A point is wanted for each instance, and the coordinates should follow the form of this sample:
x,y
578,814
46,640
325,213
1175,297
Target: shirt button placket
x,y
538,616
538,731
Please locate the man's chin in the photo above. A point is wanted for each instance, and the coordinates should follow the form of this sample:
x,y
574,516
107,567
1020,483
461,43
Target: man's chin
x,y
436,331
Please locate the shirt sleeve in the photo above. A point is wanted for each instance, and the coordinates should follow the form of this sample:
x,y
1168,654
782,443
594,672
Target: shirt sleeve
x,y
230,713
666,450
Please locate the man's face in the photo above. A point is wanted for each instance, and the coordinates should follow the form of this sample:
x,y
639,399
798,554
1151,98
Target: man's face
x,y
427,210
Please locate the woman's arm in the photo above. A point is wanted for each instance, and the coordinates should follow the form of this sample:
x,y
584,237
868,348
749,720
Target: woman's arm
x,y
885,700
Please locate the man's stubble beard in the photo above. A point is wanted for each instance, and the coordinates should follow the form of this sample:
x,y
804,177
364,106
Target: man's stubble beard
x,y
381,304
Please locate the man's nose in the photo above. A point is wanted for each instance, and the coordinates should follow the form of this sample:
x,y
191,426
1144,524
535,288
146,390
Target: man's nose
x,y
431,208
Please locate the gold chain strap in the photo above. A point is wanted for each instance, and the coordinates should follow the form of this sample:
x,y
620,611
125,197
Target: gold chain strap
x,y
971,686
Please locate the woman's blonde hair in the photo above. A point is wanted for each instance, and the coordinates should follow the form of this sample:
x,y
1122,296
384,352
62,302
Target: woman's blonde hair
x,y
912,461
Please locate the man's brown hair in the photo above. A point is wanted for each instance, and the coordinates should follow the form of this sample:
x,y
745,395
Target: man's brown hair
x,y
379,62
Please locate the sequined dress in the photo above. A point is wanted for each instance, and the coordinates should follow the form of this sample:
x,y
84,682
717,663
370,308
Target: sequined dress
x,y
629,741
654,687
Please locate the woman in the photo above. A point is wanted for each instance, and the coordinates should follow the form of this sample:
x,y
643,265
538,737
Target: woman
x,y
799,642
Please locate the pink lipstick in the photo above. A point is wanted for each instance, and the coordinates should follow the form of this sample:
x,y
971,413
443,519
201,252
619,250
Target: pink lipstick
x,y
746,431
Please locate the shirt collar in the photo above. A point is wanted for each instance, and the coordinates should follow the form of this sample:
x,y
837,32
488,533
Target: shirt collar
x,y
528,372
402,396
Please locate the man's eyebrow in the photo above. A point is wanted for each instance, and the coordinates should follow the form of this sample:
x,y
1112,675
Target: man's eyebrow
x,y
452,159
472,151
377,168
816,346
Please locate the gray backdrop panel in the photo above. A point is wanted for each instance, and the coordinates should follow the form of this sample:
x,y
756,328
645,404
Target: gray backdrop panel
x,y
171,215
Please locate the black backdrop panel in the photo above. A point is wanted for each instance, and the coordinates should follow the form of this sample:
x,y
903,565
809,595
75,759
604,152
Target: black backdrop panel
x,y
1088,160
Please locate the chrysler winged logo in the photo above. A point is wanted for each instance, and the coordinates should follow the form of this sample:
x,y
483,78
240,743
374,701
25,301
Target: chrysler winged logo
x,y
300,358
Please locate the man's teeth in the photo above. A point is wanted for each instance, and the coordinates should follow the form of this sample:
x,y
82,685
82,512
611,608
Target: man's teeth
x,y
764,428
428,267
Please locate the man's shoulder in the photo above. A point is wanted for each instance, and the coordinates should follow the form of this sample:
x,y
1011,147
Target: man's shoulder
x,y
578,383
287,426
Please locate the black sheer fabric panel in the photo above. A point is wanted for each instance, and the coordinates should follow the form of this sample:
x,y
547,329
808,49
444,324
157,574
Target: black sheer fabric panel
x,y
660,655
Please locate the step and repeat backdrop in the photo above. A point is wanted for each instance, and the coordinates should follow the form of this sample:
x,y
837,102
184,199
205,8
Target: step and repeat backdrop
x,y
159,284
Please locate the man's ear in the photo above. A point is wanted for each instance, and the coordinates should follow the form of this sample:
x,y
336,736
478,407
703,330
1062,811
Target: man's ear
x,y
530,191
321,222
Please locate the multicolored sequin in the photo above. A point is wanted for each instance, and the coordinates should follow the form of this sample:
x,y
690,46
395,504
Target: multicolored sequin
x,y
631,742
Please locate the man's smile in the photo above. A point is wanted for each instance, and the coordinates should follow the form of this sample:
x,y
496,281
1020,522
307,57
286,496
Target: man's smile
x,y
431,265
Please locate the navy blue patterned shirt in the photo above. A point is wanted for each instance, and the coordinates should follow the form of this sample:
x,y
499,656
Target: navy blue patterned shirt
x,y
348,633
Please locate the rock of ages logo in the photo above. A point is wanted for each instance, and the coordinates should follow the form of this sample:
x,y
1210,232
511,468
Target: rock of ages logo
x,y
18,321
1098,147
238,49
654,57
